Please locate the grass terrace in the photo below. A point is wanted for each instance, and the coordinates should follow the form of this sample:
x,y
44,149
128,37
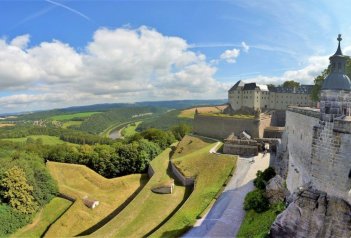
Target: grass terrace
x,y
42,221
78,181
71,123
148,210
189,113
211,171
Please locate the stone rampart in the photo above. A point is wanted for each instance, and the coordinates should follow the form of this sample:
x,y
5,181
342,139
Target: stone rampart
x,y
220,127
185,181
331,167
299,132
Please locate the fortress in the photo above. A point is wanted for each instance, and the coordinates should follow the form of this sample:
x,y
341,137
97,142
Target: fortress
x,y
257,96
316,143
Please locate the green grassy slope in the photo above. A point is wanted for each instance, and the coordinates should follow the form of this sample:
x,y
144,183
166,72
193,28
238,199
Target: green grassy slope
x,y
148,210
79,181
44,219
211,172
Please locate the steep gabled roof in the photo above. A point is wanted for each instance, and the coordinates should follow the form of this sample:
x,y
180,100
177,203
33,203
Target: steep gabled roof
x,y
238,84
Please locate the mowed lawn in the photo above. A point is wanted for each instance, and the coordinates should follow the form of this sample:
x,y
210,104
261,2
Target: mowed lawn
x,y
148,210
78,181
211,171
49,214
47,140
189,113
67,117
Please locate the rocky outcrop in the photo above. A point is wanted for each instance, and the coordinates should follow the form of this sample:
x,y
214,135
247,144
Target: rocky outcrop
x,y
312,213
276,190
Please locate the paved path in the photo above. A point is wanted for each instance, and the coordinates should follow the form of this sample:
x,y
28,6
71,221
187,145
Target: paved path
x,y
225,217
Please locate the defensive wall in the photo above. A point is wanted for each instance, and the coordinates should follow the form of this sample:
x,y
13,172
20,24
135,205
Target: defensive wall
x,y
319,152
220,127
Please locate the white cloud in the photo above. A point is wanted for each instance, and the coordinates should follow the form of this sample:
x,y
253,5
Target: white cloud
x,y
245,46
116,66
20,41
306,75
230,55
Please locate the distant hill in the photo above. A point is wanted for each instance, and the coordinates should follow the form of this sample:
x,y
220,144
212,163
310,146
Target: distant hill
x,y
176,104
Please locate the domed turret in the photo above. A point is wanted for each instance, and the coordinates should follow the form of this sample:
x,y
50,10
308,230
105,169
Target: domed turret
x,y
337,79
336,89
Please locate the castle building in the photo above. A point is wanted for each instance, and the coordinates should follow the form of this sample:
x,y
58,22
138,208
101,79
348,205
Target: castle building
x,y
258,96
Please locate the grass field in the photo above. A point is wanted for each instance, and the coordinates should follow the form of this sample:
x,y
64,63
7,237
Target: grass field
x,y
79,181
258,224
6,124
148,210
67,117
189,113
71,123
130,130
49,214
211,172
47,140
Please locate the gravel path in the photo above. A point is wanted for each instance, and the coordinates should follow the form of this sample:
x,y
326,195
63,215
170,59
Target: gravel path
x,y
225,217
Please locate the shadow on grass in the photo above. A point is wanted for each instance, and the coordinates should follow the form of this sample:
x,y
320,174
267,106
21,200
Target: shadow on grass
x,y
143,182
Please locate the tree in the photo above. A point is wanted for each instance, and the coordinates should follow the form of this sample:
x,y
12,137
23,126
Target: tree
x,y
291,84
181,130
256,200
16,191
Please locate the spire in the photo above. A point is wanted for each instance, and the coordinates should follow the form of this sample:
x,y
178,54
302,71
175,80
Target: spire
x,y
338,51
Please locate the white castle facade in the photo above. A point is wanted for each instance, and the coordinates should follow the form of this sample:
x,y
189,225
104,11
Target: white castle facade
x,y
258,96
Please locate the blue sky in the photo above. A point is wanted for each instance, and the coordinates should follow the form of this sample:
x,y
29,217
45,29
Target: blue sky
x,y
202,47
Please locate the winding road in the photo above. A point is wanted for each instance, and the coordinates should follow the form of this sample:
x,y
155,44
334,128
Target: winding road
x,y
225,217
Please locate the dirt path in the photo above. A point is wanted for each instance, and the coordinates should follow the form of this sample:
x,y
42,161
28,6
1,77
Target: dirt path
x,y
225,217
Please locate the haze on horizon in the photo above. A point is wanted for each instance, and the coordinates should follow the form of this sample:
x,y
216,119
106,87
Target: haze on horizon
x,y
66,53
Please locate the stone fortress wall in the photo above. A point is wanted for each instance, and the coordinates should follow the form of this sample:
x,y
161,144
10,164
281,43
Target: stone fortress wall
x,y
317,153
220,127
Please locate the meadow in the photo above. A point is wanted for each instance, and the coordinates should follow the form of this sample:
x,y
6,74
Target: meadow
x,y
67,117
78,181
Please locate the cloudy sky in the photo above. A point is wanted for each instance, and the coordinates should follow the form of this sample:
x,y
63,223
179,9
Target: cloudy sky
x,y
64,53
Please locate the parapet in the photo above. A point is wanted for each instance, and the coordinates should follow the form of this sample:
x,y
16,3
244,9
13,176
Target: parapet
x,y
308,111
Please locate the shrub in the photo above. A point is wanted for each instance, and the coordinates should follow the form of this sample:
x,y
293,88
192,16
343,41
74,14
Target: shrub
x,y
268,174
259,183
256,200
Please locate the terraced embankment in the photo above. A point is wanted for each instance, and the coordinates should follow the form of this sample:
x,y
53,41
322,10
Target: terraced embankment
x,y
148,210
78,181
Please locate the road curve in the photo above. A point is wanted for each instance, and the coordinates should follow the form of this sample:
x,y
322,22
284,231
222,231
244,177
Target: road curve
x,y
225,217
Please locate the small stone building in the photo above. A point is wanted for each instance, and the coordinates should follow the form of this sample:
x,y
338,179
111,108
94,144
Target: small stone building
x,y
90,203
243,146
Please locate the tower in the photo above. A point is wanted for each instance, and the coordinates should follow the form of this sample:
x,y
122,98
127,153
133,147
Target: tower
x,y
336,88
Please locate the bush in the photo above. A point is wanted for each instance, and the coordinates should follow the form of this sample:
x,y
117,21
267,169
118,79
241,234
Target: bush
x,y
263,177
268,174
11,220
256,200
259,183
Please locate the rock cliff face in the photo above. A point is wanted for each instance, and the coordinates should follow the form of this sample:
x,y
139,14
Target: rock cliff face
x,y
312,213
